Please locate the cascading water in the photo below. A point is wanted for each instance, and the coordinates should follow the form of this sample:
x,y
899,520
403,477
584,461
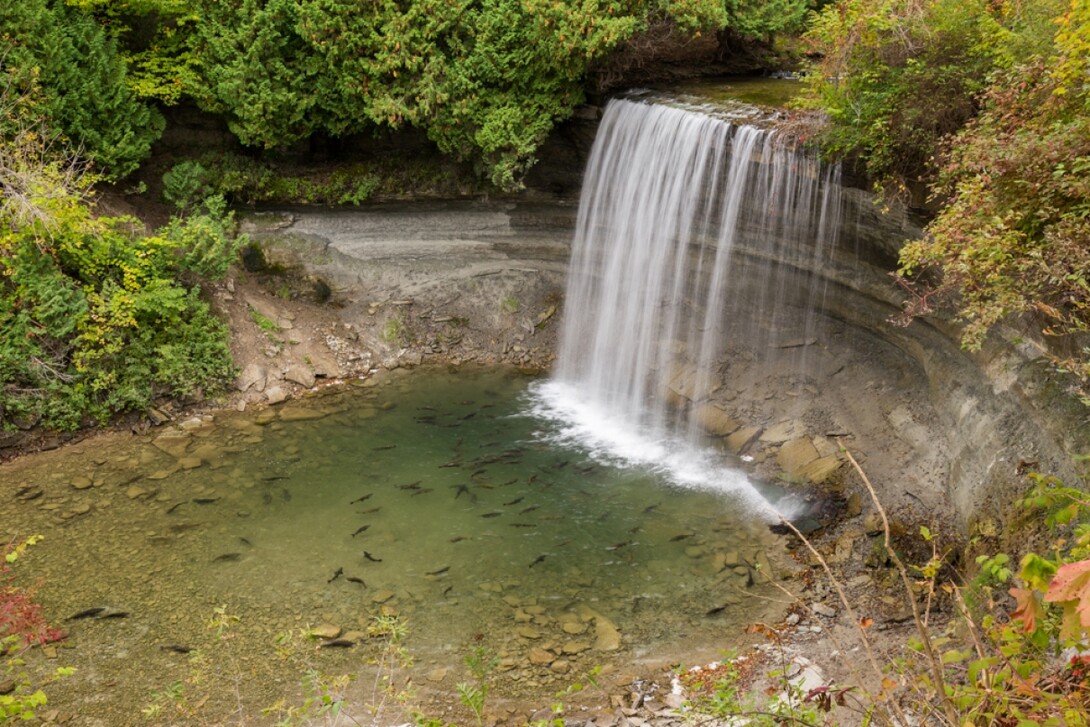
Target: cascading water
x,y
693,233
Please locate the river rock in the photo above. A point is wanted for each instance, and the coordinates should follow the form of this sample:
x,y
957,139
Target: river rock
x,y
528,632
606,635
81,483
326,631
796,454
190,462
822,610
301,375
560,666
382,596
254,375
173,441
299,413
540,657
274,395
715,421
135,491
574,647
574,628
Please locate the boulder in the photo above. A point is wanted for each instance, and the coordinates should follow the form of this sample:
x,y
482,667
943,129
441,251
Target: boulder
x,y
740,441
796,454
714,420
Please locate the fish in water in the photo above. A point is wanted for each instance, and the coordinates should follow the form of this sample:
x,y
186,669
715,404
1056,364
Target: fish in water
x,y
354,579
86,613
492,514
365,498
716,610
177,648
115,614
371,558
457,539
410,485
456,462
266,498
462,489
245,541
447,590
528,509
516,501
562,464
336,574
175,506
369,511
439,572
618,546
651,508
341,643
205,500
470,415
227,558
422,491
539,559
383,447
509,482
682,536
285,495
523,525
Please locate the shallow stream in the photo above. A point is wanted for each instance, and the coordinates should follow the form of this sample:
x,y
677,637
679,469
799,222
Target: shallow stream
x,y
433,496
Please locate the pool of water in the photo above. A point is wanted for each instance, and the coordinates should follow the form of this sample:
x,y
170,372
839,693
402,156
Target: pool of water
x,y
435,497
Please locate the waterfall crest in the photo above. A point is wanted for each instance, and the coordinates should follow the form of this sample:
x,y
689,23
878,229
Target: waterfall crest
x,y
692,233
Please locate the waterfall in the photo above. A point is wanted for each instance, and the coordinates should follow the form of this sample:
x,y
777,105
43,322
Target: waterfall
x,y
694,234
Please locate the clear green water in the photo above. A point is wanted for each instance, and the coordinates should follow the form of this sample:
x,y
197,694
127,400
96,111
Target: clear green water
x,y
473,529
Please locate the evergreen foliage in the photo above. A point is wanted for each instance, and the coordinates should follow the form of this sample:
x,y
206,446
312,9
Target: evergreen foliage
x,y
79,81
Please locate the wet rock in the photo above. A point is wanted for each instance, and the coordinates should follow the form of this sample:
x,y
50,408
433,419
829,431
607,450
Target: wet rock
x,y
741,440
574,628
796,454
174,442
512,601
190,463
715,421
135,491
821,469
81,483
560,666
299,413
528,632
301,375
522,617
382,596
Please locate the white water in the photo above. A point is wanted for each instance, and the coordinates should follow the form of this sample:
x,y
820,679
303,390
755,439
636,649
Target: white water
x,y
691,232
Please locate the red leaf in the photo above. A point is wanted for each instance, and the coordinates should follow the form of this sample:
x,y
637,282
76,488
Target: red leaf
x,y
1029,608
